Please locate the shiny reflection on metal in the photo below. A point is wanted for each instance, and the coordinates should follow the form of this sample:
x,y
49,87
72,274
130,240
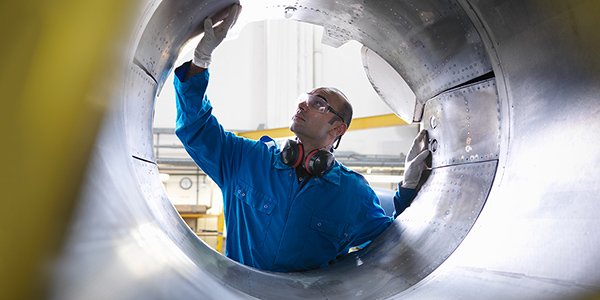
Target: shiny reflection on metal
x,y
535,236
389,85
172,24
431,229
127,241
432,44
433,145
469,124
139,108
433,122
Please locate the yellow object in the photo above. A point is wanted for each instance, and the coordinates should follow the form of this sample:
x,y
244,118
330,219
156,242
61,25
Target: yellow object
x,y
56,59
220,226
357,124
376,122
221,229
196,215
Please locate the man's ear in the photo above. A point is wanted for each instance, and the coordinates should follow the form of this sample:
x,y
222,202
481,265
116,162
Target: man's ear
x,y
339,129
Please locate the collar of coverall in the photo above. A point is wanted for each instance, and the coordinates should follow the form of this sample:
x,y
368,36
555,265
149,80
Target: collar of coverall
x,y
332,176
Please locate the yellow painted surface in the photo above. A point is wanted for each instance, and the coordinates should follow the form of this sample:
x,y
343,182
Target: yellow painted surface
x,y
56,60
221,229
195,215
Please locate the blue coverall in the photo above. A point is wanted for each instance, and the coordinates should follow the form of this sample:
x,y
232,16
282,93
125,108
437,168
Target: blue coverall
x,y
275,222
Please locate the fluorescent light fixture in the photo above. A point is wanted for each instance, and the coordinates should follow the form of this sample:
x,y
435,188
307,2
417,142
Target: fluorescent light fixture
x,y
164,177
383,178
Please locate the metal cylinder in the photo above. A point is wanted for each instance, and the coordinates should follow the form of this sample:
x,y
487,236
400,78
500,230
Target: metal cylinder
x,y
509,93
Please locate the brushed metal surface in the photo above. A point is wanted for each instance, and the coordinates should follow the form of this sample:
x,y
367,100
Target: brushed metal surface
x,y
172,24
432,44
520,223
389,85
139,99
464,124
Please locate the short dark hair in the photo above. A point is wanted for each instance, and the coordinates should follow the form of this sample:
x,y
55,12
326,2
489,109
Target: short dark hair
x,y
346,110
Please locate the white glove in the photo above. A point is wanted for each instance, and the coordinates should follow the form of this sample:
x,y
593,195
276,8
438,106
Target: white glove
x,y
214,36
415,161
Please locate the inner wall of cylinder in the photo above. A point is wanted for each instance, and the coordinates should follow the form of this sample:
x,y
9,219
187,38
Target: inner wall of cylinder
x,y
435,57
127,242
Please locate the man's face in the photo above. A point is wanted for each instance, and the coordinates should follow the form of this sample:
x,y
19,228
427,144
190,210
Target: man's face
x,y
314,115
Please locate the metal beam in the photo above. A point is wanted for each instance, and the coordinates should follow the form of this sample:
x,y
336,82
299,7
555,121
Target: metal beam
x,y
387,120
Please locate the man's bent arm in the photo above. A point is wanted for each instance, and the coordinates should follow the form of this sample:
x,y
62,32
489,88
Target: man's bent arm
x,y
403,199
216,151
373,220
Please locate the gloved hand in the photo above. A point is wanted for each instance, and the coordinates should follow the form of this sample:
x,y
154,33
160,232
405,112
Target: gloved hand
x,y
415,161
214,36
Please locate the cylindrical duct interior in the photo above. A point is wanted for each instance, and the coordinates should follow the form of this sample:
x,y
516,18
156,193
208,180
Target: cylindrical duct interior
x,y
505,89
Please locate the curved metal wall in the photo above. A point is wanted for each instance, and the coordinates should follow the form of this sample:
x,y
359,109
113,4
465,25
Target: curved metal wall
x,y
496,183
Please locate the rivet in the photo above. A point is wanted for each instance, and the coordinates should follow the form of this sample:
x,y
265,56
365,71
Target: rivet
x,y
433,145
433,122
289,11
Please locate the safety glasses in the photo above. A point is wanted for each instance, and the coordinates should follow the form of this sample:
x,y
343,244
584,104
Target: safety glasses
x,y
319,103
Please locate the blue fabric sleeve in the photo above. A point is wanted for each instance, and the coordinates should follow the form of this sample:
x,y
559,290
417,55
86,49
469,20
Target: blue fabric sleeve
x,y
402,199
216,151
373,220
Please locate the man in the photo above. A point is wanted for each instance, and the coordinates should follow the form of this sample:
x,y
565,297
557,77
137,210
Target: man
x,y
289,209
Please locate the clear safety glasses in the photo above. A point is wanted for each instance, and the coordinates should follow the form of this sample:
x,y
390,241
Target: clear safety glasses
x,y
319,103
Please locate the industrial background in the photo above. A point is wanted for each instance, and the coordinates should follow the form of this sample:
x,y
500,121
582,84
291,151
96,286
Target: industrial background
x,y
254,93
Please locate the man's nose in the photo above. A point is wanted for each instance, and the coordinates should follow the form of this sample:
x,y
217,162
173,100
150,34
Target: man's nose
x,y
302,105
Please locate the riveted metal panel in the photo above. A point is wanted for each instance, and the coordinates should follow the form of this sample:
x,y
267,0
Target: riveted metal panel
x,y
435,224
433,45
535,238
171,25
423,237
138,112
464,124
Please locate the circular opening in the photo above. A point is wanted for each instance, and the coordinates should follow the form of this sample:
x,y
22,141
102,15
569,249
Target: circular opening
x,y
440,210
123,229
433,145
254,91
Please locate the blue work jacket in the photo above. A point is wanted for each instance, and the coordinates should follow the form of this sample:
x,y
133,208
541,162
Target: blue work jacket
x,y
274,221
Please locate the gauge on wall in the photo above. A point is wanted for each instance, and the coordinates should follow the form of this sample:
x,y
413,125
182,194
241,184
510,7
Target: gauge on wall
x,y
185,183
